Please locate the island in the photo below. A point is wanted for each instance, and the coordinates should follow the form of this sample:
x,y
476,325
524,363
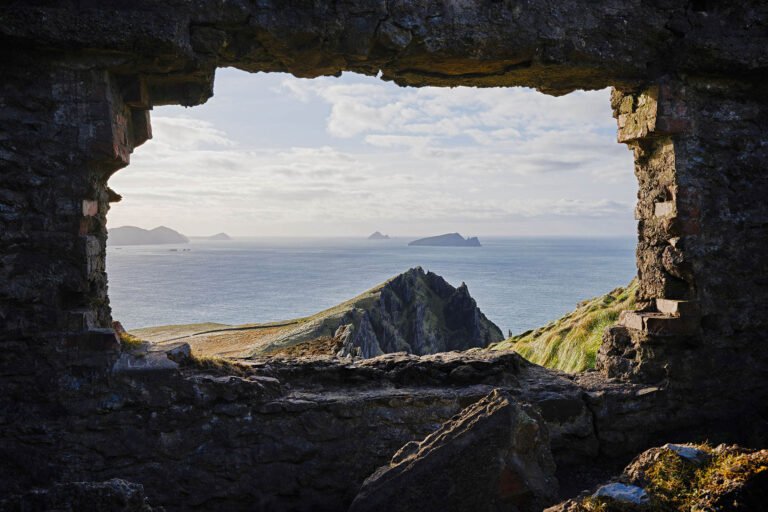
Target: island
x,y
217,236
378,236
132,235
447,240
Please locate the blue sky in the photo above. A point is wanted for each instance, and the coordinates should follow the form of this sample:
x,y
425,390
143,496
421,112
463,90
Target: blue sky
x,y
274,155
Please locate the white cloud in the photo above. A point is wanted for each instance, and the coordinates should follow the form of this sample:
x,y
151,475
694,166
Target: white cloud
x,y
414,158
187,133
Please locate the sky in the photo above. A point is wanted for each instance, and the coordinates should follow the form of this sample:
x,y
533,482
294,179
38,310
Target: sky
x,y
275,155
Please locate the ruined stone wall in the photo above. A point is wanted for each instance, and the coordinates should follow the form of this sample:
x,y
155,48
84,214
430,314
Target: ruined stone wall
x,y
78,79
82,76
700,146
66,127
298,435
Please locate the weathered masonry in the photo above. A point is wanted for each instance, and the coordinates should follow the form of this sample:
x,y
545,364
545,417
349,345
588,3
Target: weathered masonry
x,y
77,81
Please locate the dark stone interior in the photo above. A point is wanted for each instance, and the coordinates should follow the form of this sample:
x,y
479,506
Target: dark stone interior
x,y
79,79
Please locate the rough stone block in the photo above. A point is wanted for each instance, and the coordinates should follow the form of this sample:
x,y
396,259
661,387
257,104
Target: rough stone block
x,y
677,307
658,324
90,207
631,320
141,127
664,209
134,91
662,325
492,456
100,340
152,362
80,320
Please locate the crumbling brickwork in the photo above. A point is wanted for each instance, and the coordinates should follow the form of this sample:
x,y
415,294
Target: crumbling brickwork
x,y
78,81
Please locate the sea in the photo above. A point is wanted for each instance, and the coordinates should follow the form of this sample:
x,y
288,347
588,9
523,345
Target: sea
x,y
519,283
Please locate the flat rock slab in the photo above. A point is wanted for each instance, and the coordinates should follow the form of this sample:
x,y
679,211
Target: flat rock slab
x,y
493,455
623,493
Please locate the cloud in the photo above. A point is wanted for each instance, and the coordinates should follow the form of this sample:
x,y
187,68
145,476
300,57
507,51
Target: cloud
x,y
181,133
418,157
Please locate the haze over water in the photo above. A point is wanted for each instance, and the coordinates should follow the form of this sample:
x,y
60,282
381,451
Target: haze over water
x,y
519,283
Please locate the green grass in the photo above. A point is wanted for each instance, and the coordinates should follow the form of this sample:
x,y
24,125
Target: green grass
x,y
218,365
129,341
570,343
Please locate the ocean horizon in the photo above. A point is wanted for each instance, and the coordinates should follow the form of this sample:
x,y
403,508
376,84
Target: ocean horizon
x,y
520,283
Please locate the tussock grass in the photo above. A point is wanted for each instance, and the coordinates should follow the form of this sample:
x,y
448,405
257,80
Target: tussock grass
x,y
218,365
129,341
570,343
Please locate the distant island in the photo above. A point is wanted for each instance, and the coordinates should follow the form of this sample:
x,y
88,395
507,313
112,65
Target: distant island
x,y
378,236
132,235
217,236
447,240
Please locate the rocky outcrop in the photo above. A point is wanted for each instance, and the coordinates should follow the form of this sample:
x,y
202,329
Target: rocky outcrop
x,y
683,477
131,235
494,455
447,240
377,235
416,312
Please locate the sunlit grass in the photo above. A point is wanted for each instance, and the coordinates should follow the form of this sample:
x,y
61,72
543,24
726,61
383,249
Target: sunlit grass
x,y
570,343
129,341
218,365
675,484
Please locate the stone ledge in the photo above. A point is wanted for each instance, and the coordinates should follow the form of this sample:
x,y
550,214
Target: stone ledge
x,y
657,324
685,308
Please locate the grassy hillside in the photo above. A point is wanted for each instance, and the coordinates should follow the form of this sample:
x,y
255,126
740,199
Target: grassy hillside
x,y
570,343
220,340
416,311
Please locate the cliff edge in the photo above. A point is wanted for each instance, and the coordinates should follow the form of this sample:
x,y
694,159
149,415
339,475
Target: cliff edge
x,y
416,312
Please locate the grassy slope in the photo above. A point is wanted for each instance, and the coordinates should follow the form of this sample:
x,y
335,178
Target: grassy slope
x,y
214,340
570,343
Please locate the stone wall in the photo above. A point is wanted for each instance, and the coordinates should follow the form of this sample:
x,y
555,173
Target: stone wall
x,y
297,434
78,81
700,146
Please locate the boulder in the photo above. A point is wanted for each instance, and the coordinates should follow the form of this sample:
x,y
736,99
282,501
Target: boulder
x,y
494,455
181,353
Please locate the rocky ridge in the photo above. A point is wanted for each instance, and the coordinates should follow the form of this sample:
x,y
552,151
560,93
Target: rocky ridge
x,y
416,312
419,313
